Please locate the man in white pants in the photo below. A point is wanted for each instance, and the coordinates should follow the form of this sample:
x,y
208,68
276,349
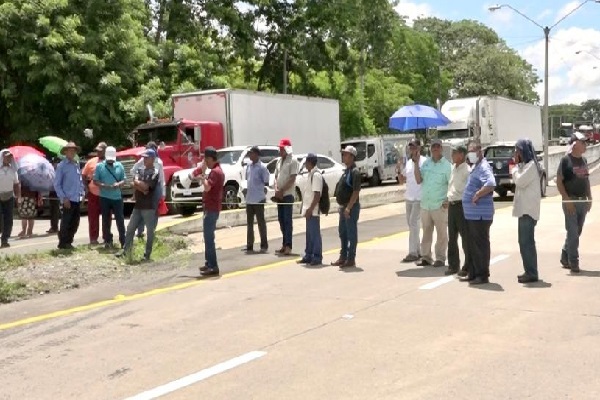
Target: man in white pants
x,y
412,199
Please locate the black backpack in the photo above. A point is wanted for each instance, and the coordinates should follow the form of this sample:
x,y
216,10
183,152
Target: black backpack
x,y
324,203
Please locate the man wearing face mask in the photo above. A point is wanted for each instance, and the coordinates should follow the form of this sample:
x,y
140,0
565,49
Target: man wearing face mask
x,y
478,206
573,184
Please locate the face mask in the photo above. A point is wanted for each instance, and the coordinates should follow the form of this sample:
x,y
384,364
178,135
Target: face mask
x,y
473,158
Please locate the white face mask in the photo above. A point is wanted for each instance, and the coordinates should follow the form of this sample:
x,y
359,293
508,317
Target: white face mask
x,y
473,157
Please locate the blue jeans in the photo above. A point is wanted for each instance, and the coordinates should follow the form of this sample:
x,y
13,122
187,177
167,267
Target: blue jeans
x,y
285,214
6,217
117,208
527,245
157,196
574,226
209,226
348,230
145,218
314,243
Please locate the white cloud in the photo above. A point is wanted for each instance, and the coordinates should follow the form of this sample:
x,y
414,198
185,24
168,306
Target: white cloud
x,y
573,77
544,14
567,9
413,10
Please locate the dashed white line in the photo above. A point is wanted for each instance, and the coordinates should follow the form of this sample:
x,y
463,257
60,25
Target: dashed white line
x,y
197,377
448,279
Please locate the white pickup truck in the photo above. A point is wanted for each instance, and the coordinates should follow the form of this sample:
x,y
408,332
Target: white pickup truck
x,y
233,161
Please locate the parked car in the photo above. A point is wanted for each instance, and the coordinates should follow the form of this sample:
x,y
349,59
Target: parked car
x,y
563,140
500,157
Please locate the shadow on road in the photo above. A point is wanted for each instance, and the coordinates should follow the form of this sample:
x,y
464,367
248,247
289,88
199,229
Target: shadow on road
x,y
423,272
593,274
492,287
538,285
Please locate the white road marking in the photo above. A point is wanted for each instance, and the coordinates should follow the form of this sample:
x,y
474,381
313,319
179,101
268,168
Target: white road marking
x,y
448,279
198,376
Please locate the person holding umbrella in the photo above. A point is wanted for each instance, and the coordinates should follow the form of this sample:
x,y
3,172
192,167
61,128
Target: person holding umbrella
x,y
69,188
9,188
28,210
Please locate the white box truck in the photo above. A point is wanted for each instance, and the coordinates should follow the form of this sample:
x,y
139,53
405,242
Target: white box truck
x,y
253,118
491,119
378,156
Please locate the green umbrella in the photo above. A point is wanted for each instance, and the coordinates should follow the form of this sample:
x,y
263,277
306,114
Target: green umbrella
x,y
53,143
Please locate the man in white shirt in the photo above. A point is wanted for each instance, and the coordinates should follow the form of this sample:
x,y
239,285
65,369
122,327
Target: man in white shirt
x,y
412,199
9,188
313,254
456,216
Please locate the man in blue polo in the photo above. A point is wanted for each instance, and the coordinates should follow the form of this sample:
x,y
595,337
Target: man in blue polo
x,y
434,176
478,206
110,177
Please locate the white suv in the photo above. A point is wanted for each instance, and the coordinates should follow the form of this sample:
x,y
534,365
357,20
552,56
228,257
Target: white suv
x,y
233,161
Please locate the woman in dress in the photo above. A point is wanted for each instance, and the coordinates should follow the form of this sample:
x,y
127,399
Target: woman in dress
x,y
28,210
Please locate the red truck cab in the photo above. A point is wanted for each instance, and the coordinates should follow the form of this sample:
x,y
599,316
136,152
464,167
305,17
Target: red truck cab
x,y
181,144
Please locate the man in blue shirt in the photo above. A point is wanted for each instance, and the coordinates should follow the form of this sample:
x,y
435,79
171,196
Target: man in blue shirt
x,y
110,177
257,177
478,206
68,186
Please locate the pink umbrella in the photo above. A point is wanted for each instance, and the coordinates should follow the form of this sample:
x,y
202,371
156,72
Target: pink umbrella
x,y
21,151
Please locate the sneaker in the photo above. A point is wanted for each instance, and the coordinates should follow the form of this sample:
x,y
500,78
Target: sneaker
x,y
210,272
410,258
462,273
527,279
439,264
4,245
565,264
264,250
280,251
302,261
109,246
94,243
424,263
120,254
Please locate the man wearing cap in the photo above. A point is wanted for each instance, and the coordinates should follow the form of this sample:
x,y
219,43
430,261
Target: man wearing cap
x,y
347,193
573,183
257,177
93,192
110,177
313,253
158,194
456,217
412,199
69,188
145,182
9,188
434,176
212,204
286,171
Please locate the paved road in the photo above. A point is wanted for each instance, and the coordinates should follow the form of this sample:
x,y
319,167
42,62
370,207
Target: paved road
x,y
280,331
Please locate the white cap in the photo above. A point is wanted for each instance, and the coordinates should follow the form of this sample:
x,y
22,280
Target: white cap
x,y
110,154
350,149
578,136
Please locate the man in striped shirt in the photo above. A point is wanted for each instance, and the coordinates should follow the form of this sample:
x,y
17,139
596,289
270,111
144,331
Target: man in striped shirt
x,y
478,206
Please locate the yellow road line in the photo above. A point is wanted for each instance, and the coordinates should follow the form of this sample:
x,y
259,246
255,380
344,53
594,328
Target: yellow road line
x,y
124,298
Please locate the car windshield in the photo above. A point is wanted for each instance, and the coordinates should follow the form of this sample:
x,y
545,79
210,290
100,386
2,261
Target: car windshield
x,y
453,134
499,152
361,149
167,134
229,157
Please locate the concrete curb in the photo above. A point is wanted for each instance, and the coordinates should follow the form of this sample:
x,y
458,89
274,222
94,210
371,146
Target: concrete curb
x,y
234,218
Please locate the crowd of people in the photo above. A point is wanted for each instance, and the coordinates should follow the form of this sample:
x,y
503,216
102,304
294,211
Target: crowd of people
x,y
453,199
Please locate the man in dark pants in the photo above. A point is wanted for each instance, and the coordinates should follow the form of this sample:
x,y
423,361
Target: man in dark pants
x,y
257,177
54,205
347,192
478,206
9,188
285,185
68,185
573,184
212,203
456,217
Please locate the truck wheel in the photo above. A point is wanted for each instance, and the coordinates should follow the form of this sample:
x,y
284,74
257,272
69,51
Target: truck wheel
x,y
544,185
169,201
230,198
187,210
375,180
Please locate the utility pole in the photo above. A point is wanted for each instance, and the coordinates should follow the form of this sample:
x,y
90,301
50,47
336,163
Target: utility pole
x,y
285,72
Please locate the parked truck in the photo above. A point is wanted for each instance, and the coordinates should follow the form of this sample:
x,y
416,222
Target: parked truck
x,y
492,120
253,118
378,156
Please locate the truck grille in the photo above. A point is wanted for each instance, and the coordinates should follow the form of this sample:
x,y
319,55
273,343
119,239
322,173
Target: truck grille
x,y
128,164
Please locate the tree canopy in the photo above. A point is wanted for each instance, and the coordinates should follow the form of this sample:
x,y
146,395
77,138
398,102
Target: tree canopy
x,y
67,65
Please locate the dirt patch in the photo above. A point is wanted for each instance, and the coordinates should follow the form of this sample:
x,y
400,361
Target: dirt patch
x,y
26,276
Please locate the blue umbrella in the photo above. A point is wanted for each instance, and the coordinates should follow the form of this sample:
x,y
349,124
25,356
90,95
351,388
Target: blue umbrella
x,y
417,116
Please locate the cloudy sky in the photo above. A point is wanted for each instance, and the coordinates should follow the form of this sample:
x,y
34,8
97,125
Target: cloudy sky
x,y
574,56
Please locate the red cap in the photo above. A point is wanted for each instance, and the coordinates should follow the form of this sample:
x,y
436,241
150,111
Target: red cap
x,y
285,142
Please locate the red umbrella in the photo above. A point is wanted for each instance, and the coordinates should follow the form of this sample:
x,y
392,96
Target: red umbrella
x,y
20,151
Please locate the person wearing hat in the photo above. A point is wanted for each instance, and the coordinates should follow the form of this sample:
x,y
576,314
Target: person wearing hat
x,y
347,193
286,171
434,176
158,194
145,183
93,193
69,188
412,199
212,204
573,183
457,224
257,178
110,177
313,253
9,189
